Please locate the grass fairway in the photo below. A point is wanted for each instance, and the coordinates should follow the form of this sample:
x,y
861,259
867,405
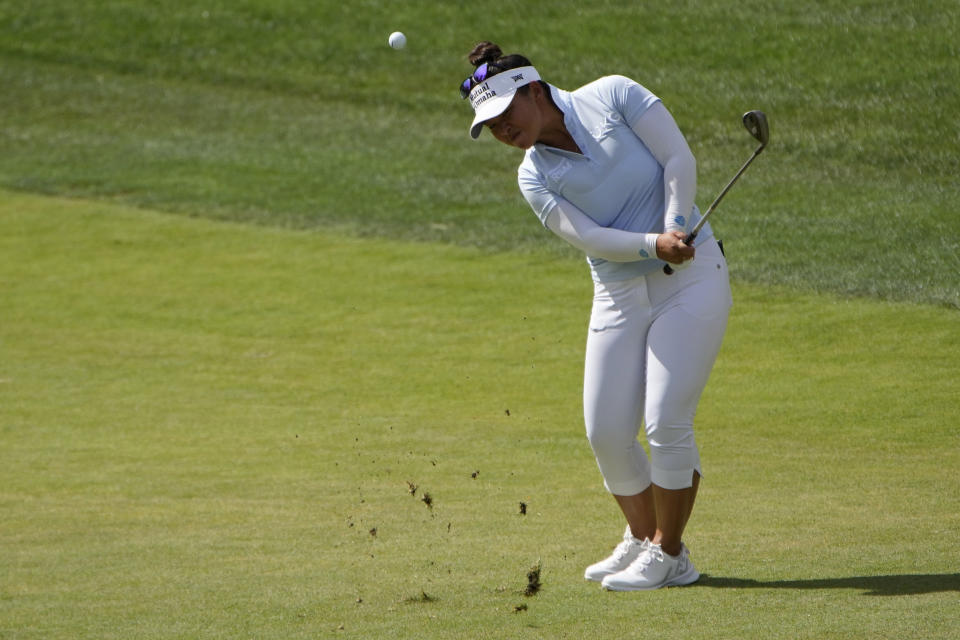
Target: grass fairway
x,y
212,423
208,430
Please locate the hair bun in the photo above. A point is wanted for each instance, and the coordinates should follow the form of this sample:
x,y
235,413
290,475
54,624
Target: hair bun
x,y
484,52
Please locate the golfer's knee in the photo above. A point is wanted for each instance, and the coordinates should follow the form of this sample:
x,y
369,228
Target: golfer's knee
x,y
674,457
608,440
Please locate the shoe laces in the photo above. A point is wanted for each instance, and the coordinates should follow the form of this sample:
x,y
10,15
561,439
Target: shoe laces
x,y
656,551
622,550
650,553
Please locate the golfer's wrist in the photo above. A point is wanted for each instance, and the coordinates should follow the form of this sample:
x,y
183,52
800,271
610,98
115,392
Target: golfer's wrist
x,y
648,245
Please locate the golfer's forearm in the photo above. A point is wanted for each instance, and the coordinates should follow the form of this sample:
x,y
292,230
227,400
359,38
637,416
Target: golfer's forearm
x,y
679,183
584,233
661,135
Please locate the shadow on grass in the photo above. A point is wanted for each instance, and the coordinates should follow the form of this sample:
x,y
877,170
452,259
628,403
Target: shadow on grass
x,y
901,585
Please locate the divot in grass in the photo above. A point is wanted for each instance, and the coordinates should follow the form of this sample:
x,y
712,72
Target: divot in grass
x,y
422,597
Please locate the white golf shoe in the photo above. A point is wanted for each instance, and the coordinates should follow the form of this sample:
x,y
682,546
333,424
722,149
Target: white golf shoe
x,y
621,558
654,569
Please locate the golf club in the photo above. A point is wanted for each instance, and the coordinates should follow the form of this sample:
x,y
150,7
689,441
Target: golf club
x,y
756,123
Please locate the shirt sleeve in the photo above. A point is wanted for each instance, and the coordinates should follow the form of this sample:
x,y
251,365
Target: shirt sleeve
x,y
654,125
661,135
627,97
580,230
533,187
613,245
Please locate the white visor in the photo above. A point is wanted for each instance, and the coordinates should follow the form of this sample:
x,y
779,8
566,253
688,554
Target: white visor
x,y
491,97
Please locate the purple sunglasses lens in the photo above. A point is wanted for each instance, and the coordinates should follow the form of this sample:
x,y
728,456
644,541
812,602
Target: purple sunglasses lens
x,y
478,76
481,73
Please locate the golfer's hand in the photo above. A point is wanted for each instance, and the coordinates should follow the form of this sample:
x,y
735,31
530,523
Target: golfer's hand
x,y
670,247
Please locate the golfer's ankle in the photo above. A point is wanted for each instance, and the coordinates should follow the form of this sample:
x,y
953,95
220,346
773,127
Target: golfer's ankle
x,y
671,548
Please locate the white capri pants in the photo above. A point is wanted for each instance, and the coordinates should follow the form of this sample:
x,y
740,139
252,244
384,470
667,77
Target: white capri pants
x,y
651,345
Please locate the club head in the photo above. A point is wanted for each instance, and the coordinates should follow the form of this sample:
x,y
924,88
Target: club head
x,y
756,123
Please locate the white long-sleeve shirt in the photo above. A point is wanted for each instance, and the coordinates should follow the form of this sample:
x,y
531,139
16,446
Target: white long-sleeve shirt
x,y
635,178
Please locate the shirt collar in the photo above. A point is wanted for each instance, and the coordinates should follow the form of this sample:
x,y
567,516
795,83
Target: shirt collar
x,y
564,101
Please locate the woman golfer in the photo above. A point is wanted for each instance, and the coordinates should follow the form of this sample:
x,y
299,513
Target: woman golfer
x,y
607,170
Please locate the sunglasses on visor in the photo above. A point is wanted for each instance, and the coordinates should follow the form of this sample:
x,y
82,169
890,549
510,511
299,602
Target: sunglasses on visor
x,y
483,72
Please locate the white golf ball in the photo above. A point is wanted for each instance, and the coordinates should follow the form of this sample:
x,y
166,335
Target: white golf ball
x,y
397,40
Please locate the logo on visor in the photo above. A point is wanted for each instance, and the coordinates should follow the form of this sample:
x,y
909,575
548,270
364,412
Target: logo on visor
x,y
481,94
517,78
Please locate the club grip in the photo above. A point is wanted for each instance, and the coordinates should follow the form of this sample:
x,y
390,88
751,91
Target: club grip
x,y
667,269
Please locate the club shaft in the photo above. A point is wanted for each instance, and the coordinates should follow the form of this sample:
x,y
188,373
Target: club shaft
x,y
667,269
703,219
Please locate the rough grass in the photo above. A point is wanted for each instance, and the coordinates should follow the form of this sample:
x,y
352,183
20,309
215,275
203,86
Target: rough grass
x,y
298,114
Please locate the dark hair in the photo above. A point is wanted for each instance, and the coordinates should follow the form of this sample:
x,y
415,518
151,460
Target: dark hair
x,y
492,54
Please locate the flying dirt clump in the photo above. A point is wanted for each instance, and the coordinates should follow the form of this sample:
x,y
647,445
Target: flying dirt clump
x,y
533,580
